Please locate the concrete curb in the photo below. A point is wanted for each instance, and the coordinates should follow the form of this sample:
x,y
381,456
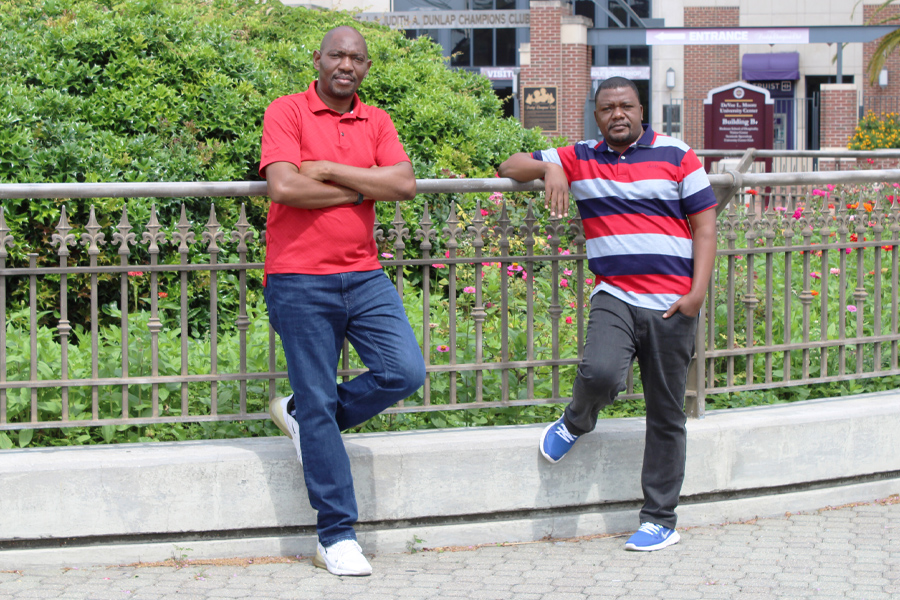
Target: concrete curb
x,y
126,503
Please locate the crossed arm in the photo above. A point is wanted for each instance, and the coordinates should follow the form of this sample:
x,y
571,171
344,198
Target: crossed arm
x,y
306,187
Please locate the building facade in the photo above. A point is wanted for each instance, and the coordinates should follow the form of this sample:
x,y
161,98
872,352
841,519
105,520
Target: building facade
x,y
546,58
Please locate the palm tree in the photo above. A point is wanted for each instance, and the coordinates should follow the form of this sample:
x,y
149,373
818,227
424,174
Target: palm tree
x,y
887,44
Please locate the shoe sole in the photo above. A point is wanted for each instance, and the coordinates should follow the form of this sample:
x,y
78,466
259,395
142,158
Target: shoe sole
x,y
669,541
319,561
541,447
275,414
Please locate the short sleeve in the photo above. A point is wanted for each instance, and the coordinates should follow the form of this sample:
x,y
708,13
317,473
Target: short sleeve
x,y
281,135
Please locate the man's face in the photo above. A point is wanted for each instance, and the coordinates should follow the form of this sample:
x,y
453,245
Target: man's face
x,y
619,114
342,64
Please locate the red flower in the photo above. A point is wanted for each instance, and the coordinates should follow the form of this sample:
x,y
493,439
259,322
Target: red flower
x,y
135,273
163,295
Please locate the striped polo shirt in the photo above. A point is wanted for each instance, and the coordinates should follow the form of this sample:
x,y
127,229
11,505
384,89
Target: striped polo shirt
x,y
635,209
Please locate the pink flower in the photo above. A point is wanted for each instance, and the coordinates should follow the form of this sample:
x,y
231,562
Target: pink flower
x,y
798,213
815,275
485,212
486,264
567,271
497,198
387,255
589,281
563,283
469,290
443,348
871,161
439,266
524,275
569,320
446,254
830,187
818,192
848,250
835,271
851,308
561,251
781,208
135,273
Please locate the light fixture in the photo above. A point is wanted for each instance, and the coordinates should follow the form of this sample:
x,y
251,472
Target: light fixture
x,y
670,78
883,78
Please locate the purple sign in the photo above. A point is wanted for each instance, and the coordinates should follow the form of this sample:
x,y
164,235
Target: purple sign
x,y
727,36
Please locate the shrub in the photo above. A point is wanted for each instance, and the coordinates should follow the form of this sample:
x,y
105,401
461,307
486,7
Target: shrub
x,y
175,90
876,132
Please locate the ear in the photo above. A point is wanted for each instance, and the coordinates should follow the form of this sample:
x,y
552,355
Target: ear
x,y
316,57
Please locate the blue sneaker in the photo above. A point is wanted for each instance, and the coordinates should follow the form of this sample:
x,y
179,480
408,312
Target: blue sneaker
x,y
652,537
556,441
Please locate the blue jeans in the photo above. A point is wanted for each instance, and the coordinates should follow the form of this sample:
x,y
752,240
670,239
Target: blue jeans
x,y
313,314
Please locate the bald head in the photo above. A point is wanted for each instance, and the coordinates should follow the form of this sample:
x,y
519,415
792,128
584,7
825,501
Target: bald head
x,y
332,36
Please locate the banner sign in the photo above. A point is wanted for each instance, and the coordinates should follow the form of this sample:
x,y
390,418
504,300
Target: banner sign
x,y
540,107
634,73
728,36
450,19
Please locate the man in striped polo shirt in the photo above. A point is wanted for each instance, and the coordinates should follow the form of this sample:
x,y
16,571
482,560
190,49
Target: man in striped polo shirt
x,y
645,202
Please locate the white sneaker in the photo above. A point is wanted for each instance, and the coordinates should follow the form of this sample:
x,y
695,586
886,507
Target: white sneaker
x,y
278,411
342,558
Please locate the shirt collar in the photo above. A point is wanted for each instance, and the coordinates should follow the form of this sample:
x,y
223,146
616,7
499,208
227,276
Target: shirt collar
x,y
316,105
646,140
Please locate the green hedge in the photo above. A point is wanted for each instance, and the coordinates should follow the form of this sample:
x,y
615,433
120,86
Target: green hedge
x,y
175,90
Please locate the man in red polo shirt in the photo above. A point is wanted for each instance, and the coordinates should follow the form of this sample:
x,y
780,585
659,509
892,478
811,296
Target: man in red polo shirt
x,y
328,158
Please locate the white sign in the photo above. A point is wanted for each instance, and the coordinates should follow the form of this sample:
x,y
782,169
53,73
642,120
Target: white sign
x,y
603,73
727,36
499,72
450,19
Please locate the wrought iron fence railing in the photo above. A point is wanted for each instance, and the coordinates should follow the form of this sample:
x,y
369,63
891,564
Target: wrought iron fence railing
x,y
804,292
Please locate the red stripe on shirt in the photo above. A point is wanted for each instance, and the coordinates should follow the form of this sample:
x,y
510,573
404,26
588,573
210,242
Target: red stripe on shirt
x,y
650,284
635,224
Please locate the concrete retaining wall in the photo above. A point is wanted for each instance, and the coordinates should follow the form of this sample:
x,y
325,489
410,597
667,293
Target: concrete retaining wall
x,y
118,504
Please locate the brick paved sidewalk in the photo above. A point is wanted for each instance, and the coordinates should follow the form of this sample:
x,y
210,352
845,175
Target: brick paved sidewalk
x,y
845,552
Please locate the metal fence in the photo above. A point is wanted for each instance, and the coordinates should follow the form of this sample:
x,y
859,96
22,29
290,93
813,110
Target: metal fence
x,y
500,309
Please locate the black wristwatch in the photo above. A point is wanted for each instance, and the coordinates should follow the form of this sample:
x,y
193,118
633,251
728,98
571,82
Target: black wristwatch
x,y
359,199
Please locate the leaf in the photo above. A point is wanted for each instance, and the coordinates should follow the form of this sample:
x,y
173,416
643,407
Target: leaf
x,y
25,437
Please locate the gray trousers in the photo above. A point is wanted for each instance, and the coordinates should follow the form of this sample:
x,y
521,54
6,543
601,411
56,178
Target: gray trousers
x,y
617,333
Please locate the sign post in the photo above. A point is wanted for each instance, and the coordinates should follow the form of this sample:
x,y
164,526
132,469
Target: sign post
x,y
738,116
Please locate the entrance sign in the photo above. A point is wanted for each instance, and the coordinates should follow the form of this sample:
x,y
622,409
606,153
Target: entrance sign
x,y
540,107
728,36
450,19
738,116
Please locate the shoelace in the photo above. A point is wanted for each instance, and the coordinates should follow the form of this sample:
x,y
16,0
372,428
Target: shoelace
x,y
562,432
342,548
651,528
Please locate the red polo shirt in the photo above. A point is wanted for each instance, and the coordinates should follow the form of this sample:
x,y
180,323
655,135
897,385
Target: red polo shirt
x,y
339,239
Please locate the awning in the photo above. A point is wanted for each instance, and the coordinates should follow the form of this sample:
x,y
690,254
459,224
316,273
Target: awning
x,y
777,66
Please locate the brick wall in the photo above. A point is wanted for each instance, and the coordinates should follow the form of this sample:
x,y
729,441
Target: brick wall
x,y
838,115
707,67
546,55
878,99
557,63
576,88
